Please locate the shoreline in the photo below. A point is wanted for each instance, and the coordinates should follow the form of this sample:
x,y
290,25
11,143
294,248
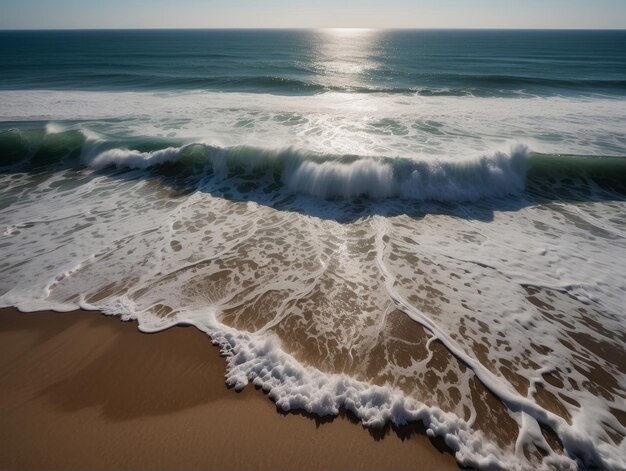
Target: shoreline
x,y
80,390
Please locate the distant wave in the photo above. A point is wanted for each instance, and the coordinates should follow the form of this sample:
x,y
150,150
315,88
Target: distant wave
x,y
410,84
521,80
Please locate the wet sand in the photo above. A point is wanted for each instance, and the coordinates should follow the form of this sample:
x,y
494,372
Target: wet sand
x,y
82,390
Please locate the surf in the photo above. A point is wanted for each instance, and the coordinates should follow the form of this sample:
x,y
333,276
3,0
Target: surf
x,y
326,176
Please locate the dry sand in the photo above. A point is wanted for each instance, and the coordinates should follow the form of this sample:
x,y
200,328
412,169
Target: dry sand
x,y
80,390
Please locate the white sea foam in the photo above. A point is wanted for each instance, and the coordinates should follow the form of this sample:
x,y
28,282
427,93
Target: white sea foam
x,y
301,293
452,179
259,359
54,128
132,159
336,123
460,179
127,249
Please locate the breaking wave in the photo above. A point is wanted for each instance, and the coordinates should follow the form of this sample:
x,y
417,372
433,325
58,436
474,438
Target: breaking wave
x,y
345,176
327,176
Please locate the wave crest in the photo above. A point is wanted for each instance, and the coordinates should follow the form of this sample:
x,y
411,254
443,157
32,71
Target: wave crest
x,y
345,176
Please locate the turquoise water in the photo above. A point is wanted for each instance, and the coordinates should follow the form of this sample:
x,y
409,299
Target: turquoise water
x,y
409,225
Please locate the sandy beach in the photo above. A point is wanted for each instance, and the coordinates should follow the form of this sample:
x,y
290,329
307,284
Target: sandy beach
x,y
81,390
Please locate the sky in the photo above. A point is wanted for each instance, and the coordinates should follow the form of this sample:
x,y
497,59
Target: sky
x,y
43,14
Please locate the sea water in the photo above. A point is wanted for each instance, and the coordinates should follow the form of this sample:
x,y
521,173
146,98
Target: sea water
x,y
408,225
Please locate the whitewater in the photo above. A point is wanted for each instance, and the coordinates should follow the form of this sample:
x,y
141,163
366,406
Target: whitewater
x,y
454,258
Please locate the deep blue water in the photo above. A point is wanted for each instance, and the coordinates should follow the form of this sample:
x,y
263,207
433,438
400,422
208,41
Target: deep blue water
x,y
304,62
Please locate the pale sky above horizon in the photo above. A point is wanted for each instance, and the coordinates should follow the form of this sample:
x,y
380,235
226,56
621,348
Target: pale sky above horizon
x,y
62,14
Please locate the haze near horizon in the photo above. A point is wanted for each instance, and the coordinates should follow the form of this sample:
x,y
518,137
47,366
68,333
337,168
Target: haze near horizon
x,y
71,14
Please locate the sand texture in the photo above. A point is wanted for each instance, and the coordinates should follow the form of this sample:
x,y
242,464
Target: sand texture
x,y
81,390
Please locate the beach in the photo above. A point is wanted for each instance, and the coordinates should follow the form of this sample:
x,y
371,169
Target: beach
x,y
80,390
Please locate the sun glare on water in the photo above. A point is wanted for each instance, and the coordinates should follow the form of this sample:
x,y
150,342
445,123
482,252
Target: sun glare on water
x,y
347,31
344,55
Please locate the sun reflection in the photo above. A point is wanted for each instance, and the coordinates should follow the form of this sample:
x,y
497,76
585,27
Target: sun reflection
x,y
345,56
347,31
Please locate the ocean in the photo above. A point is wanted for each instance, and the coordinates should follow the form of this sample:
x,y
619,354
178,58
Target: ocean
x,y
409,225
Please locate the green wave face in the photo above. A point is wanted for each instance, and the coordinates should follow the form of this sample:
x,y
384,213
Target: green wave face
x,y
576,171
459,178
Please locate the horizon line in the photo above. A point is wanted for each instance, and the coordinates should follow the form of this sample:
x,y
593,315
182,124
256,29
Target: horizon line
x,y
311,28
